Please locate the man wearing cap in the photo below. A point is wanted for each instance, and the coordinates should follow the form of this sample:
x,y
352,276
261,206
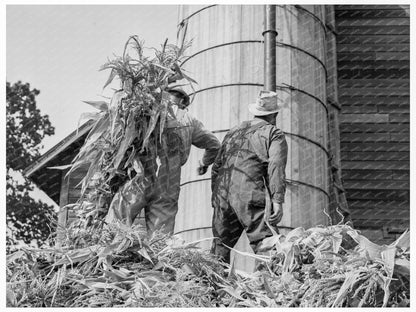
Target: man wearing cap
x,y
158,194
249,166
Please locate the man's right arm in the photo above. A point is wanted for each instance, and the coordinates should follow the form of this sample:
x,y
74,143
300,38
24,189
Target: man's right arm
x,y
216,166
205,139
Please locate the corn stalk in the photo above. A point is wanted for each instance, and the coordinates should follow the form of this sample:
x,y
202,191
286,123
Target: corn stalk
x,y
129,126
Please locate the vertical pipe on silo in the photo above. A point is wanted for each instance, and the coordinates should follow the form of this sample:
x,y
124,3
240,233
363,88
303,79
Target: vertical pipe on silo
x,y
269,35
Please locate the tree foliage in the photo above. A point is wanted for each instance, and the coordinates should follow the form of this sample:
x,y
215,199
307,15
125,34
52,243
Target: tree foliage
x,y
27,219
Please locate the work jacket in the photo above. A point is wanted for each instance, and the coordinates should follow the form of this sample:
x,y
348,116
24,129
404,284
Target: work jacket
x,y
184,131
250,164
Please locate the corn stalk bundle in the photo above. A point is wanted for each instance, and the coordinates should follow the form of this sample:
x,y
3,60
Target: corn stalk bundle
x,y
132,124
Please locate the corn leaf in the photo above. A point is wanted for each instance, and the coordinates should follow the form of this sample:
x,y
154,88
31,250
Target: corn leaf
x,y
63,167
152,124
113,74
350,280
295,234
14,256
402,267
232,292
403,241
100,105
97,131
164,103
89,116
366,247
128,138
143,252
78,255
93,169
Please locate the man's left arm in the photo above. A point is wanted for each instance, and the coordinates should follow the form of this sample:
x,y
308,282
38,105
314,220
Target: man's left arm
x,y
276,172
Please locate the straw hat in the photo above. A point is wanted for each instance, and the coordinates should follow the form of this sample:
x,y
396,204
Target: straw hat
x,y
267,103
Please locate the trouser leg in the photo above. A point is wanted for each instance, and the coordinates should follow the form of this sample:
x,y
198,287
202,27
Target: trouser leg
x,y
129,200
256,228
162,209
225,226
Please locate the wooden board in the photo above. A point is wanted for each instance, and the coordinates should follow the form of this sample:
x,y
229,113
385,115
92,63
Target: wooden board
x,y
372,39
372,100
360,118
354,194
377,184
375,147
376,47
377,204
375,156
382,109
374,73
369,12
399,118
376,165
380,30
375,128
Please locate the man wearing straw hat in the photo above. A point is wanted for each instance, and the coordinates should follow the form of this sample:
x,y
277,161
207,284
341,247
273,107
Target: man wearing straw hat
x,y
249,166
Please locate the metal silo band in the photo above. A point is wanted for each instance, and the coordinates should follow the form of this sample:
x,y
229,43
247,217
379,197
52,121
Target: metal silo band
x,y
259,41
285,86
306,52
323,25
195,13
309,140
288,181
220,45
292,134
296,182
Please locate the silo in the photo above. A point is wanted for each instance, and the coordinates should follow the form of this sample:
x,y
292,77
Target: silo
x,y
226,59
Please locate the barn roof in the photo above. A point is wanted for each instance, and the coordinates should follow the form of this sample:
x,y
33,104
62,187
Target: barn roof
x,y
49,180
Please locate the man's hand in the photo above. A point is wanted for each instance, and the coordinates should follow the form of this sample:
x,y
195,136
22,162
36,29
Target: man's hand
x,y
202,169
277,213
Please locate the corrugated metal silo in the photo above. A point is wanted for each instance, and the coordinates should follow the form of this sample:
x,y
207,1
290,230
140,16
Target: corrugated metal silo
x,y
226,59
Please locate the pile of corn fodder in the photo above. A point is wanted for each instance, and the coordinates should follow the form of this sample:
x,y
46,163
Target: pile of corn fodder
x,y
118,266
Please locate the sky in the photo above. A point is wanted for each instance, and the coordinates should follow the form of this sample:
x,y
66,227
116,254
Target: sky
x,y
59,49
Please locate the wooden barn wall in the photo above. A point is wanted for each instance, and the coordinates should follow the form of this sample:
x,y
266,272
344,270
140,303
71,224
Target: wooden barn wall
x,y
70,193
373,76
